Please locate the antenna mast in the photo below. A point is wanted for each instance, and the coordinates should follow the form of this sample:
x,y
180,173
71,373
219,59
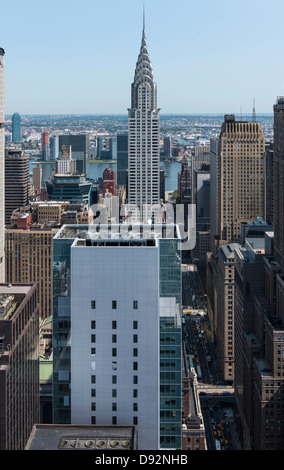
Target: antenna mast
x,y
253,112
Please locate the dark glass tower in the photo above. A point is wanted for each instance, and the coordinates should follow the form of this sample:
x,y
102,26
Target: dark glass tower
x,y
16,128
80,150
16,181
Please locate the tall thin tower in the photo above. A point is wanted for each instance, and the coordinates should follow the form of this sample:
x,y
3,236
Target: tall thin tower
x,y
16,128
2,150
279,180
143,136
253,112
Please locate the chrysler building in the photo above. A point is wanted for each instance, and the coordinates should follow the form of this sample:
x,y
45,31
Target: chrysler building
x,y
143,138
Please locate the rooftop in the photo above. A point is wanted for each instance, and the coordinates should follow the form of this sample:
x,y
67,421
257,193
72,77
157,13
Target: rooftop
x,y
117,232
256,244
228,251
76,437
12,289
264,368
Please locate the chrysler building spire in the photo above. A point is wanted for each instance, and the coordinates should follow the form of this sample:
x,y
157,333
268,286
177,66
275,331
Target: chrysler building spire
x,y
144,20
143,134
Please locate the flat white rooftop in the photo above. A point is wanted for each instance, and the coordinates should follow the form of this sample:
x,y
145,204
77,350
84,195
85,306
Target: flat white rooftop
x,y
118,232
14,289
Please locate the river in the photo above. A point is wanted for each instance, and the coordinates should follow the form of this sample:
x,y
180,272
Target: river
x,y
96,171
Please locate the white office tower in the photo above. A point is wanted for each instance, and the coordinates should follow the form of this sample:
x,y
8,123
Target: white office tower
x,y
143,139
124,366
66,164
2,164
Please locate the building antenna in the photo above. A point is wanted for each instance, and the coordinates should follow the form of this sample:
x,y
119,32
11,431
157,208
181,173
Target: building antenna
x,y
253,112
143,16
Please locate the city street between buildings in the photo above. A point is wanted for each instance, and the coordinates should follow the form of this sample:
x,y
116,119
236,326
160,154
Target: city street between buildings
x,y
216,397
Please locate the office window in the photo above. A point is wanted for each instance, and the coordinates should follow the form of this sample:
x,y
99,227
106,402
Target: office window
x,y
135,352
93,325
93,304
114,420
114,338
135,393
114,407
114,304
93,392
135,420
114,379
93,420
135,365
135,338
135,325
135,304
93,351
93,338
93,406
135,406
114,393
135,379
114,325
93,379
114,352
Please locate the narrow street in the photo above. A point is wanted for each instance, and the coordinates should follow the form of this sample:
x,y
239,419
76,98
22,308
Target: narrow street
x,y
216,398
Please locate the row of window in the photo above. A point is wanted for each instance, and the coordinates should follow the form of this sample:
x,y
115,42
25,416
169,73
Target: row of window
x,y
114,304
114,325
114,420
114,406
114,350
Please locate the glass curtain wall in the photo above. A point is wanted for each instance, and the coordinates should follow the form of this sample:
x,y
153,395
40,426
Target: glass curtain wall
x,y
170,347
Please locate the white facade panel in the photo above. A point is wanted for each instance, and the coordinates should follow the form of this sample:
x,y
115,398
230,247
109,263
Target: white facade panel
x,y
103,275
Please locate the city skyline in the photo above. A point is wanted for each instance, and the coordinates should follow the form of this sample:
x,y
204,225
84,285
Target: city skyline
x,y
208,59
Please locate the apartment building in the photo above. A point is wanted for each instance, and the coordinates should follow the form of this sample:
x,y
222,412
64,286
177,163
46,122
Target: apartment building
x,y
19,364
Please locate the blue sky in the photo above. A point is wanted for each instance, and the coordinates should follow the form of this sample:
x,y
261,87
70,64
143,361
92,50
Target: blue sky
x,y
67,56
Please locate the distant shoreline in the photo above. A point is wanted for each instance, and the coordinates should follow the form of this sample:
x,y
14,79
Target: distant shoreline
x,y
103,161
125,116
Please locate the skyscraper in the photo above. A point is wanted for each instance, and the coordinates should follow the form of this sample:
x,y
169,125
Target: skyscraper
x,y
2,165
19,364
73,188
184,182
80,150
54,147
16,128
241,177
120,300
29,258
279,181
109,181
122,158
16,181
237,174
66,164
259,320
37,178
269,182
143,136
45,146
